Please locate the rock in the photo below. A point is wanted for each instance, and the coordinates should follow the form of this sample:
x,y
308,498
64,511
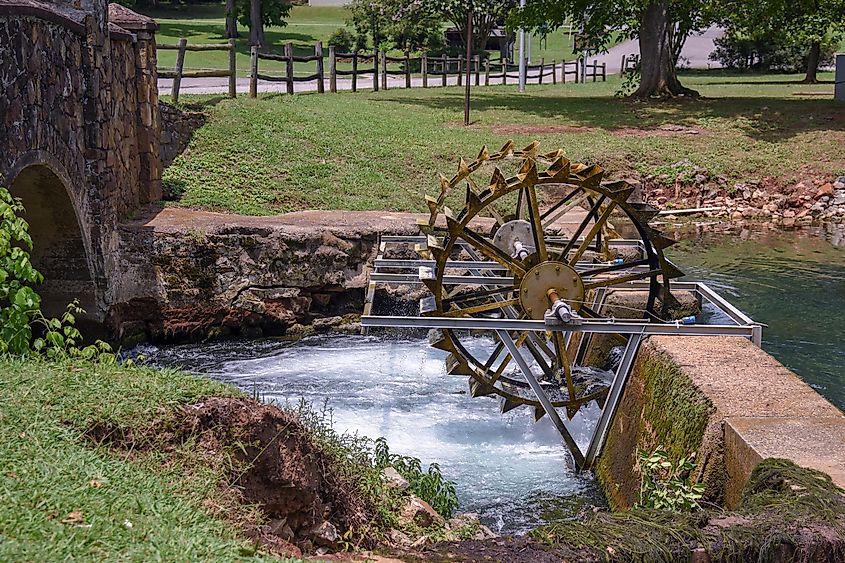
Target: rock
x,y
399,539
326,324
463,524
758,194
394,479
788,223
788,214
325,535
420,513
825,190
736,215
839,200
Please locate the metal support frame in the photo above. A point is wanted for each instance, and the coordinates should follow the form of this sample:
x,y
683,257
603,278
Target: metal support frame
x,y
483,272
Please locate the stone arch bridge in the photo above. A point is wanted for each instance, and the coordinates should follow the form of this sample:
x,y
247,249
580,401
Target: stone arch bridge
x,y
80,137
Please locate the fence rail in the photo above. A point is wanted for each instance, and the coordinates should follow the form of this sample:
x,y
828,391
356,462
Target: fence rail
x,y
179,70
377,67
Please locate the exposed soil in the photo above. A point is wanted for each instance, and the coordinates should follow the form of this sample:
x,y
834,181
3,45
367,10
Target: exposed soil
x,y
276,467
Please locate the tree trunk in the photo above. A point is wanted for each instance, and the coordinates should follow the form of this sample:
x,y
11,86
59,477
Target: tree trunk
x,y
256,24
658,78
813,63
231,20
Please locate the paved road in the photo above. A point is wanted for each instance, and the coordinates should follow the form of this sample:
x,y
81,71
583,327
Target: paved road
x,y
694,55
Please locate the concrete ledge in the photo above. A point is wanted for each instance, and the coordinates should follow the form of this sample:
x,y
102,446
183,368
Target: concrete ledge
x,y
731,403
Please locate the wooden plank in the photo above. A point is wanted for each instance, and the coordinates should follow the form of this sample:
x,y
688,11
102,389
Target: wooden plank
x,y
233,74
180,64
253,71
321,80
289,66
332,70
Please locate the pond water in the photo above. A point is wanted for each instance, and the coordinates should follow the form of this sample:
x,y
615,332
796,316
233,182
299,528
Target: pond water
x,y
511,471
794,283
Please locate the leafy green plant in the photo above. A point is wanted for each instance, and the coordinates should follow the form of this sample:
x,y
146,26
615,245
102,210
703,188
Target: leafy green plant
x,y
18,301
62,340
429,485
20,304
665,485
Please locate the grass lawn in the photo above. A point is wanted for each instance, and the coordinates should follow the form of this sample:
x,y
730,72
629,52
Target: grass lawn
x,y
62,498
383,150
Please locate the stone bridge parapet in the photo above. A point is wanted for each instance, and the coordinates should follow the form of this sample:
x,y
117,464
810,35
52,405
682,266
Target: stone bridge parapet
x,y
80,142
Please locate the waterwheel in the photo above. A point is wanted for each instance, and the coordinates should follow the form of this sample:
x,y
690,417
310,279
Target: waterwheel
x,y
504,255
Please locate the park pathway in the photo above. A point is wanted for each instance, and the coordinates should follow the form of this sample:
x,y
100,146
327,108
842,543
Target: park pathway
x,y
694,55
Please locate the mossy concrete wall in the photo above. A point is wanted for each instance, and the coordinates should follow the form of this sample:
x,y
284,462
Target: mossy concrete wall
x,y
725,400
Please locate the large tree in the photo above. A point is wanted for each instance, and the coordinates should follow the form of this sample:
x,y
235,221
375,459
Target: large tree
x,y
660,26
231,19
810,22
259,13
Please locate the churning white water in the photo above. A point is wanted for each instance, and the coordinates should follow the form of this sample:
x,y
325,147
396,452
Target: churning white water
x,y
511,471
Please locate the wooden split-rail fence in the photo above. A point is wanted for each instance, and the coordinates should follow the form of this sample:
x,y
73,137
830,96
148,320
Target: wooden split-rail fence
x,y
373,69
180,72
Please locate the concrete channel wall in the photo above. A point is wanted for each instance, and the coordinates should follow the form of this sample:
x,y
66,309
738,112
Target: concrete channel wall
x,y
725,400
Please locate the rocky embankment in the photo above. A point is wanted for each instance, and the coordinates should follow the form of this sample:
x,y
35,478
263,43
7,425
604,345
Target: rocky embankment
x,y
805,203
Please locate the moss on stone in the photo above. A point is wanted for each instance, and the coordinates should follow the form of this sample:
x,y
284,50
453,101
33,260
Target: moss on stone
x,y
787,513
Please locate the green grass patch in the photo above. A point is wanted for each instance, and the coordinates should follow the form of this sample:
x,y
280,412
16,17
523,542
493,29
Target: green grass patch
x,y
383,150
61,498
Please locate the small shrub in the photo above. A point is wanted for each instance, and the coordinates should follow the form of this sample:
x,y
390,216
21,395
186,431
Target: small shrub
x,y
429,485
664,485
342,40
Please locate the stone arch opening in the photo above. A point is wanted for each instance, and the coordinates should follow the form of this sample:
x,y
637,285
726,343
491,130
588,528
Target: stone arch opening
x,y
59,245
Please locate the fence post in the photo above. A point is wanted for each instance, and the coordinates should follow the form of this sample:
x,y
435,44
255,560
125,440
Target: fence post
x,y
321,78
332,70
622,66
542,70
355,70
445,63
477,63
424,65
487,72
407,69
554,71
253,71
375,69
383,57
289,66
577,69
604,72
460,71
180,63
595,68
233,84
504,71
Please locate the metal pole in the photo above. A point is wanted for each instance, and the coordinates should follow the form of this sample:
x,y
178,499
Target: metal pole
x,y
468,67
521,53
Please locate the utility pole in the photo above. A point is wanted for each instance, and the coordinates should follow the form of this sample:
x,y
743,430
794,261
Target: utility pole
x,y
468,69
521,53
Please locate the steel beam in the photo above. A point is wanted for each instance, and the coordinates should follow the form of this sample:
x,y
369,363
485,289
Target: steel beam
x,y
542,397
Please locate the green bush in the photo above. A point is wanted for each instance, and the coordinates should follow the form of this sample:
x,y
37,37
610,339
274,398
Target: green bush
x,y
664,485
342,40
20,304
767,51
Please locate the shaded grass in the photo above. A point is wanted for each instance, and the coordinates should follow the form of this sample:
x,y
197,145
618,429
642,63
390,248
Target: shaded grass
x,y
383,150
61,498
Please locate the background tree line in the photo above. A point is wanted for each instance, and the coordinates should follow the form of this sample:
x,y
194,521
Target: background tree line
x,y
764,34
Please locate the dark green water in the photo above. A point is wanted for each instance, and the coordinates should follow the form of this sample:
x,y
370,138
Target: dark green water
x,y
794,283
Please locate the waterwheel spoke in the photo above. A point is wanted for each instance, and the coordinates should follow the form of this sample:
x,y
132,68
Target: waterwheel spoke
x,y
613,268
492,251
565,364
621,279
592,234
536,224
463,297
592,214
492,306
